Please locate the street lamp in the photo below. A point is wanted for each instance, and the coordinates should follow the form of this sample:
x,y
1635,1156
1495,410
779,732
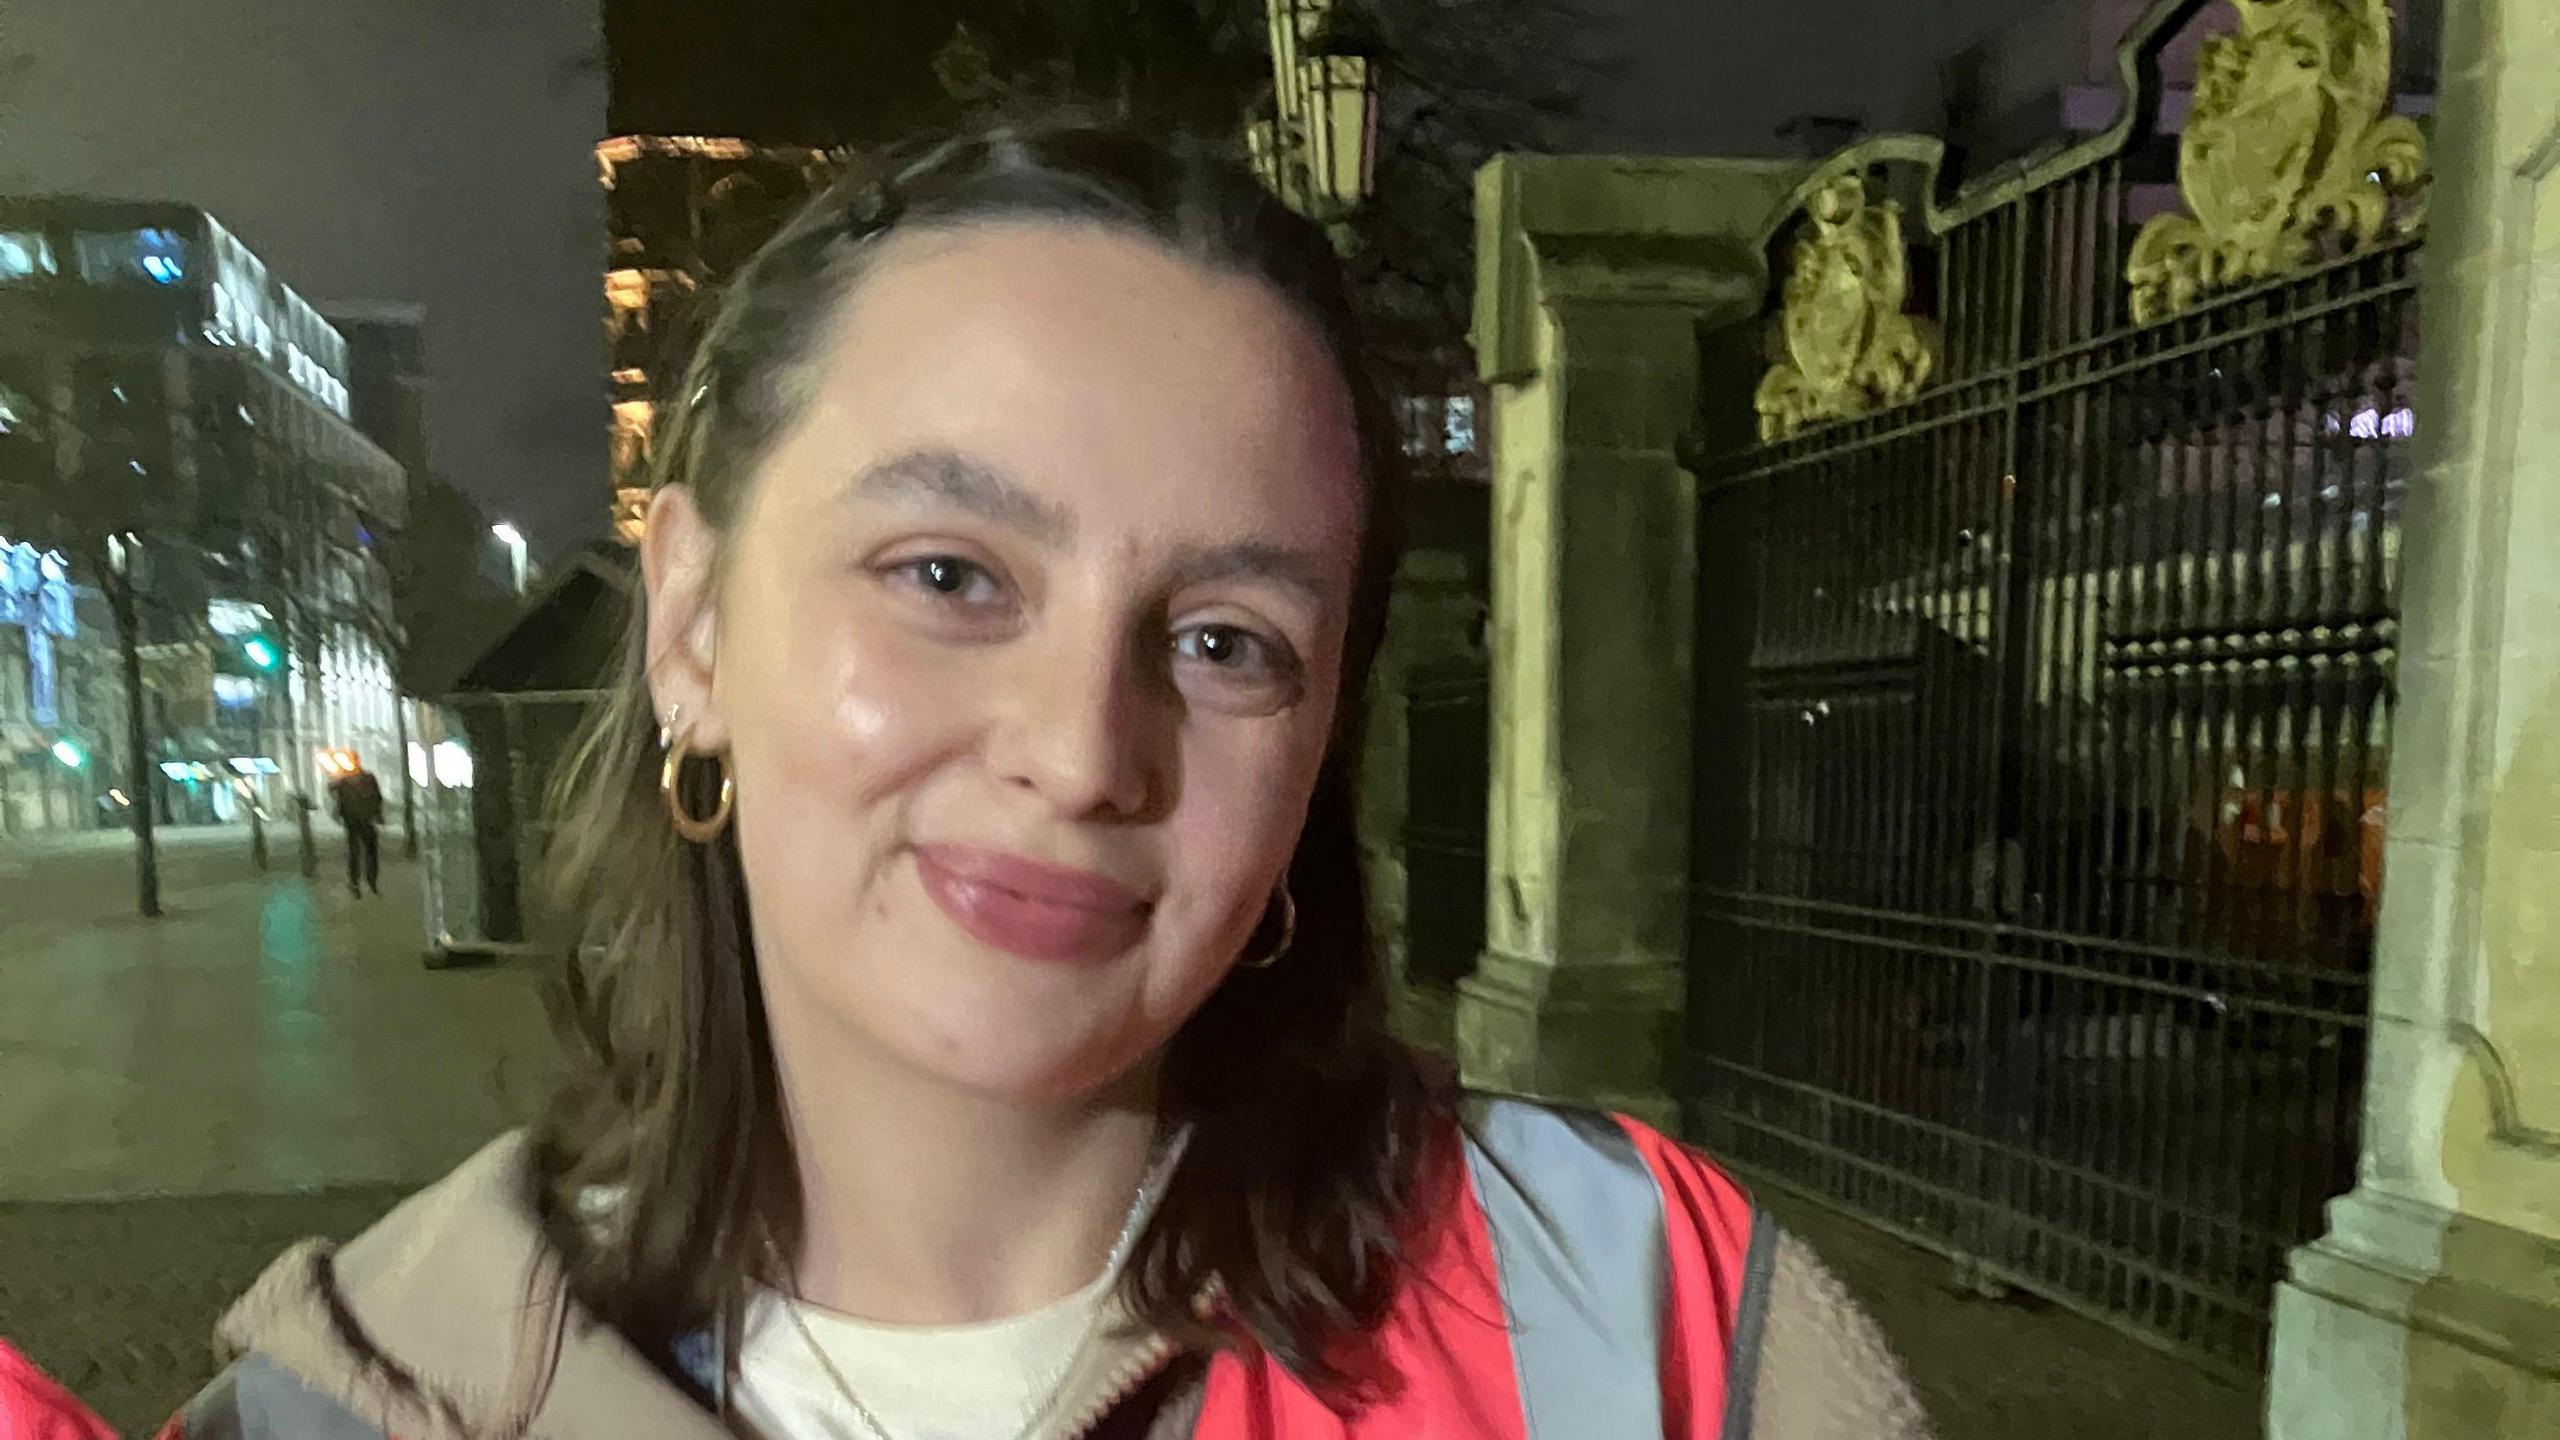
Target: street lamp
x,y
1342,150
1318,148
509,536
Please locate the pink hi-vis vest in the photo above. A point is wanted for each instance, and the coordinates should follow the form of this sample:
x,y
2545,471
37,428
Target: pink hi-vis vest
x,y
1587,1277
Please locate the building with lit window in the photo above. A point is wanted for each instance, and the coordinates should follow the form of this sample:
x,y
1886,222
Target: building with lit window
x,y
143,346
685,211
59,702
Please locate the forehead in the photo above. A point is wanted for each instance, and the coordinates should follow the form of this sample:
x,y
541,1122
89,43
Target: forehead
x,y
1096,366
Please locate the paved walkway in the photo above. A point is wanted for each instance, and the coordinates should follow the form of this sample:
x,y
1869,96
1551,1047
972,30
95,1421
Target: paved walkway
x,y
2017,1368
181,1099
268,1036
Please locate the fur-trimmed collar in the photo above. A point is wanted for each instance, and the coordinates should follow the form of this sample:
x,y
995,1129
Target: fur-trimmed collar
x,y
450,1320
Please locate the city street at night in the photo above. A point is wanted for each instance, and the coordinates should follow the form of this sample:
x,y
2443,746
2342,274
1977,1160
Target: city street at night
x,y
1498,719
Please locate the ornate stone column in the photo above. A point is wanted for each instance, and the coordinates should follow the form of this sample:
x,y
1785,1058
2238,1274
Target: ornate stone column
x,y
1594,276
2432,1306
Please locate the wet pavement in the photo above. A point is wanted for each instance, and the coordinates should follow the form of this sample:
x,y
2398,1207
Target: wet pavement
x,y
267,1036
180,1100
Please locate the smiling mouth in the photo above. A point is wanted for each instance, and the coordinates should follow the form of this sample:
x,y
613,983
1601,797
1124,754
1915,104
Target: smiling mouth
x,y
1030,909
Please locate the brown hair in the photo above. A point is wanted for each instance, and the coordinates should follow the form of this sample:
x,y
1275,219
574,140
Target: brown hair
x,y
1308,1120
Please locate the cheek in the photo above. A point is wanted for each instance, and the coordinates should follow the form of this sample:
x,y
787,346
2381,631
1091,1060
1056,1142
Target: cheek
x,y
1244,802
828,704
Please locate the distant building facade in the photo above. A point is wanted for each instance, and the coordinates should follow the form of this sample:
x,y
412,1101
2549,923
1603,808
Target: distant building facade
x,y
387,375
143,346
684,211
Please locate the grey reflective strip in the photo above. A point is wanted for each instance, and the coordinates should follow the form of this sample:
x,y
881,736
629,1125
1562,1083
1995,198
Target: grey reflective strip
x,y
1577,1242
257,1399
1750,1324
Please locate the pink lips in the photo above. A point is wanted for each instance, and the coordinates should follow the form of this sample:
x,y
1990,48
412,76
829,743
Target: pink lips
x,y
1025,908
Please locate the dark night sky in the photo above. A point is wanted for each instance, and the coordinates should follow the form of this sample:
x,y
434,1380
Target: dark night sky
x,y
1719,76
439,151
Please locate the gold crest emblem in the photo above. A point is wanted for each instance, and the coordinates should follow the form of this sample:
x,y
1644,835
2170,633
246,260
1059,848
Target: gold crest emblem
x,y
2291,146
1842,346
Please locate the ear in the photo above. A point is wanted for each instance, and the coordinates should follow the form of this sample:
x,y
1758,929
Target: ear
x,y
677,553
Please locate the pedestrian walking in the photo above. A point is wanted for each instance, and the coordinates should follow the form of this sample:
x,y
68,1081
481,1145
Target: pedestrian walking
x,y
356,797
978,1030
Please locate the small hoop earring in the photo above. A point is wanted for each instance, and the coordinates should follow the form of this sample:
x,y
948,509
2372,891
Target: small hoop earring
x,y
1288,931
705,829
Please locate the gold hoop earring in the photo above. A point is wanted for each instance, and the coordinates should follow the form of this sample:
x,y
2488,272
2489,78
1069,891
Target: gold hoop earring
x,y
705,829
1288,931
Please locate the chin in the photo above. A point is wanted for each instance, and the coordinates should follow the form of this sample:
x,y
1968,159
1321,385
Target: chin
x,y
1006,1037
1029,1068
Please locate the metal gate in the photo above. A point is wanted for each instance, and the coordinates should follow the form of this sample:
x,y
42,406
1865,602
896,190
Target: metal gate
x,y
2041,792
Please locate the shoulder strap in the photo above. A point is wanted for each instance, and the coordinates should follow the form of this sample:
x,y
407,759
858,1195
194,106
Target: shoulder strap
x,y
1577,1230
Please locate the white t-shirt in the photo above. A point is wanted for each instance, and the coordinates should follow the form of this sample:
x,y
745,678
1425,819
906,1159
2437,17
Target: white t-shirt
x,y
934,1382
924,1382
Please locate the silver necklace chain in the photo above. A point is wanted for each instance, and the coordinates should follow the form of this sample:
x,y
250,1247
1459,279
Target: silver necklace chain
x,y
1149,1185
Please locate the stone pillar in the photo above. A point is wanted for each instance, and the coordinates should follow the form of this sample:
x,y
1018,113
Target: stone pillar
x,y
1594,276
2431,1308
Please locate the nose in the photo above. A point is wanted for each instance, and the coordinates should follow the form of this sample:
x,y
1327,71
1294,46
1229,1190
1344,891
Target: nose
x,y
1089,732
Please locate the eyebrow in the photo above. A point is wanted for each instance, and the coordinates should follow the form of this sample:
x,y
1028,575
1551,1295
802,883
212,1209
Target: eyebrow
x,y
1253,560
948,477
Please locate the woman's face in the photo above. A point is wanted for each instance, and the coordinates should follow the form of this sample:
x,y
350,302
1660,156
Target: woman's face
x,y
1023,651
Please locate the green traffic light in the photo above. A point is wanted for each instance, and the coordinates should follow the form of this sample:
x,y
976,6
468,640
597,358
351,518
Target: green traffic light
x,y
261,652
70,753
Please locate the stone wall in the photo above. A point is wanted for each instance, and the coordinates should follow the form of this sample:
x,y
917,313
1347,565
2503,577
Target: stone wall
x,y
2432,1306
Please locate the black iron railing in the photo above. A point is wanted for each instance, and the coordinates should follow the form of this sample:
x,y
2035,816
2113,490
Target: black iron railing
x,y
2041,815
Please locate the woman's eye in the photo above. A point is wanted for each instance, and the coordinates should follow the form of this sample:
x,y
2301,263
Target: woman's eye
x,y
1234,649
948,576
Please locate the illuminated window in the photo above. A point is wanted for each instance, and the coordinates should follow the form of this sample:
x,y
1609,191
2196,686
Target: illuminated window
x,y
627,292
161,258
632,422
452,764
156,255
24,253
1458,427
1417,422
1439,424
